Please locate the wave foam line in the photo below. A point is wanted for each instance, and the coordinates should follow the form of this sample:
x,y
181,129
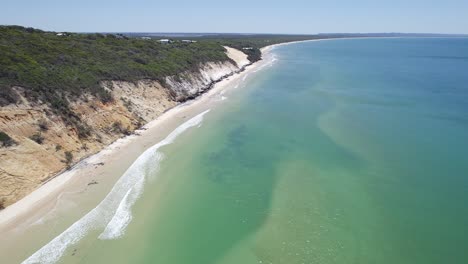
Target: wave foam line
x,y
114,211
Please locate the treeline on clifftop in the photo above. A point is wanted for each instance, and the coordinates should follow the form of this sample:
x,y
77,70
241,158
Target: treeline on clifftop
x,y
56,68
250,44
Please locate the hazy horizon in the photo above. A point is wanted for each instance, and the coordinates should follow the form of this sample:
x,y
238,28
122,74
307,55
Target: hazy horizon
x,y
240,33
243,17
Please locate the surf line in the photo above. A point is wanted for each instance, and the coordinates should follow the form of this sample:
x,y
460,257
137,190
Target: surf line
x,y
113,213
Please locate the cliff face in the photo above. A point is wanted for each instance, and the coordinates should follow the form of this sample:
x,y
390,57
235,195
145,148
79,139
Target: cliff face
x,y
188,85
46,145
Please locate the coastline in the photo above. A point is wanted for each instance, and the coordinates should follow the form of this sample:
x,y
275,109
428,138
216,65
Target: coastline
x,y
112,161
109,164
74,193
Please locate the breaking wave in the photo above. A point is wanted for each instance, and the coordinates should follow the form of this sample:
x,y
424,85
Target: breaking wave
x,y
114,212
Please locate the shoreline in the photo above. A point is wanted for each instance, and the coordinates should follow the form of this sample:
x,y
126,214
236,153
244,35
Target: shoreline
x,y
41,216
186,192
41,201
98,167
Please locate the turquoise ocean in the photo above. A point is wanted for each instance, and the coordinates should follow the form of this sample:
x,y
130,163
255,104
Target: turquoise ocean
x,y
339,151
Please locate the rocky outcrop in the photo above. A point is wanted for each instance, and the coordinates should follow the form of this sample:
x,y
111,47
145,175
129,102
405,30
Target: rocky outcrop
x,y
46,145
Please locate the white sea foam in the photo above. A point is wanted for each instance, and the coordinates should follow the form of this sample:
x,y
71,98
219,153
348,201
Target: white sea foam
x,y
223,98
114,212
123,216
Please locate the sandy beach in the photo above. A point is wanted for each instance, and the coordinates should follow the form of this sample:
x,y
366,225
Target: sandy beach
x,y
59,203
188,204
96,174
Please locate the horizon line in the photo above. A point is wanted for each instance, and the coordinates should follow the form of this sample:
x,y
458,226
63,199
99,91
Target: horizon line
x,y
244,33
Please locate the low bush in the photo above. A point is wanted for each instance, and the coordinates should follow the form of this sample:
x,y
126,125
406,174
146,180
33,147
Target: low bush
x,y
68,158
37,137
43,126
6,140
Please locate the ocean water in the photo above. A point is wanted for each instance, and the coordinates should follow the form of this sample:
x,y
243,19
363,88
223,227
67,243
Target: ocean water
x,y
340,151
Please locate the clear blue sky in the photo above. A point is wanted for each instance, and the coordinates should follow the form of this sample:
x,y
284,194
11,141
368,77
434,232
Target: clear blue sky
x,y
246,16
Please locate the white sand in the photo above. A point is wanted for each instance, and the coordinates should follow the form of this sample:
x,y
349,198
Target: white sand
x,y
111,162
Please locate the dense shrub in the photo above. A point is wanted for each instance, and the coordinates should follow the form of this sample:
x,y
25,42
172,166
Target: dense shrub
x,y
6,140
37,137
68,158
7,95
117,127
83,130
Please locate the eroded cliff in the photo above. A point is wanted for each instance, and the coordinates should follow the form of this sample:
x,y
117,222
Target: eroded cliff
x,y
45,144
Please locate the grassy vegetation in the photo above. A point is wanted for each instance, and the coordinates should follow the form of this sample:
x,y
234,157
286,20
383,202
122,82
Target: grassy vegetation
x,y
53,68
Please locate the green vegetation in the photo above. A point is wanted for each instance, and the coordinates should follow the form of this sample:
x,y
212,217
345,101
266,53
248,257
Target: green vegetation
x,y
6,140
56,68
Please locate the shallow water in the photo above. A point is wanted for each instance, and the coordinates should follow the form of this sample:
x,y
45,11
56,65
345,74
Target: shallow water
x,y
342,151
